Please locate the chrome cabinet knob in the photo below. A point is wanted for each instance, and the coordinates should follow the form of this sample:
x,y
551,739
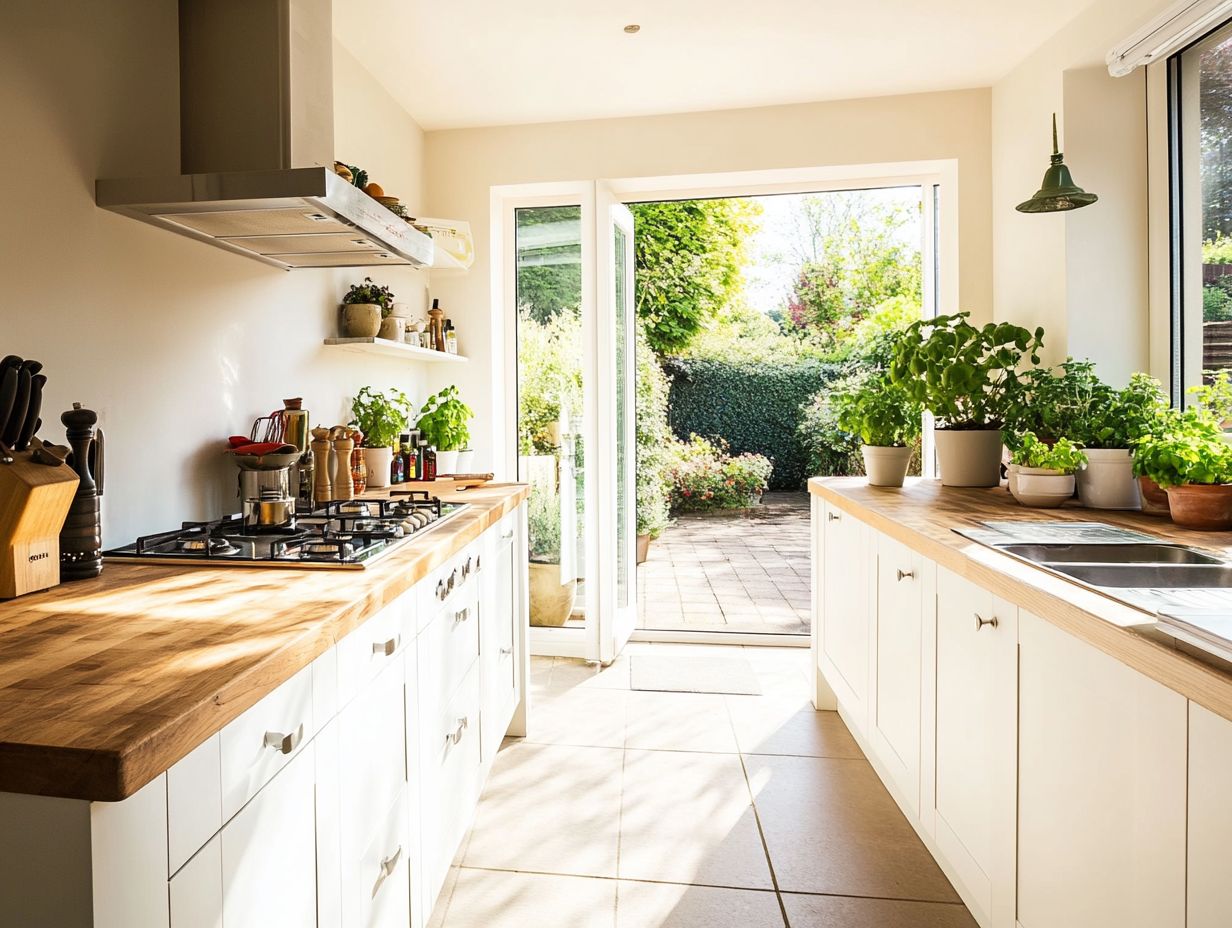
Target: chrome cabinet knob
x,y
284,744
980,622
905,575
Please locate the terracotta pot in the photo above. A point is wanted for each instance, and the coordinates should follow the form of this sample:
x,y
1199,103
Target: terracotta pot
x,y
969,457
1206,507
361,320
551,600
1154,497
378,461
643,548
886,465
1107,482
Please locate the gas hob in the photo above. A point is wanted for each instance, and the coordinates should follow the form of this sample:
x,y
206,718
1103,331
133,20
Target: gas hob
x,y
339,535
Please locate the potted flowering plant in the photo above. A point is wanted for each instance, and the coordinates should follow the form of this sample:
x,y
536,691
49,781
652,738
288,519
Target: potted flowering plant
x,y
1044,475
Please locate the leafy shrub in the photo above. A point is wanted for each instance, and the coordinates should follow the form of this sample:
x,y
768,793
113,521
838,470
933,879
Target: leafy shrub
x,y
654,441
543,520
755,407
829,449
1216,304
1217,250
705,476
1215,396
549,377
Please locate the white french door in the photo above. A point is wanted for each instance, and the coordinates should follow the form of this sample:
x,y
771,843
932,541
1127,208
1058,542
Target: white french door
x,y
585,464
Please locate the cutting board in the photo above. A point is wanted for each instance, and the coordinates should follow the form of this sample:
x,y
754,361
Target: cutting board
x,y
34,499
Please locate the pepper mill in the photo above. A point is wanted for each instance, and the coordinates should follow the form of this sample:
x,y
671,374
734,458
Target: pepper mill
x,y
322,449
81,538
344,444
436,314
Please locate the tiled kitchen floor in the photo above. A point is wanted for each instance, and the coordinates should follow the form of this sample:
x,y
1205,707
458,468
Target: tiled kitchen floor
x,y
745,571
633,809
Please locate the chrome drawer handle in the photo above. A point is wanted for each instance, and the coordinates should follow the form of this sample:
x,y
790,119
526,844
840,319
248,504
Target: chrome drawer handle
x,y
284,744
390,863
386,647
906,575
833,517
505,652
507,536
462,615
981,622
454,738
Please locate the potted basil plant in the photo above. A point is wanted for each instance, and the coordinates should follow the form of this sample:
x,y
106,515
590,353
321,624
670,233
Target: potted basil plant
x,y
967,377
363,308
1109,428
443,424
382,417
1043,475
888,422
1191,461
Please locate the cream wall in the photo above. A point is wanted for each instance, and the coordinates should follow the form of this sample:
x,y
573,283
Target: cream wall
x,y
463,165
175,343
1082,275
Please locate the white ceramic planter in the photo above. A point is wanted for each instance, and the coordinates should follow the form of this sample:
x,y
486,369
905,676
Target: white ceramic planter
x,y
1042,487
969,458
378,461
886,465
446,463
466,462
1107,482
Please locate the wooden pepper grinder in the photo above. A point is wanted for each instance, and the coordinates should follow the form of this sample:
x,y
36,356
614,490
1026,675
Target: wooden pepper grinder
x,y
436,315
344,444
322,450
81,538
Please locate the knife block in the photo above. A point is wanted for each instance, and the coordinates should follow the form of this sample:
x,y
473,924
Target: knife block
x,y
34,499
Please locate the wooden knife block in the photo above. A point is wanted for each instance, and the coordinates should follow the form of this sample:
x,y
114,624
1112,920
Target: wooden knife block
x,y
34,499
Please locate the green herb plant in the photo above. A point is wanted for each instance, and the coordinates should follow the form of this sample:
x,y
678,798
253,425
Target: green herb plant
x,y
966,376
1215,396
443,421
368,292
1063,455
881,412
1189,448
382,417
543,524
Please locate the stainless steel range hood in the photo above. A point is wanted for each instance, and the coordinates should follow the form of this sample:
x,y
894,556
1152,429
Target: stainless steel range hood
x,y
256,146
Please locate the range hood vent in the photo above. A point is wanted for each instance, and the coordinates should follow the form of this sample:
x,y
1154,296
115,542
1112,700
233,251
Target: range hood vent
x,y
256,146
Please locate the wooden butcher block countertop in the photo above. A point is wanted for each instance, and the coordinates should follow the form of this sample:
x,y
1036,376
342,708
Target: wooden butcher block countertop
x,y
923,514
106,683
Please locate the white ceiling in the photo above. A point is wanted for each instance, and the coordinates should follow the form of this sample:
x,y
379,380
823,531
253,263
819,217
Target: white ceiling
x,y
497,62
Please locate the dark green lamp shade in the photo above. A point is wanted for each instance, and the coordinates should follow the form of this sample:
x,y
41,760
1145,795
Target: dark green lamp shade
x,y
1058,192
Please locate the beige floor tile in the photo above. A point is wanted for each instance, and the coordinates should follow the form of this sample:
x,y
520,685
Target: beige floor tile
x,y
847,912
550,808
492,899
678,722
831,827
776,726
686,818
585,716
651,905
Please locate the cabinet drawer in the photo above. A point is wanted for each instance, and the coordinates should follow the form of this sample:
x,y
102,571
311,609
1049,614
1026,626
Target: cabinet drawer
x,y
372,757
196,891
454,580
260,742
372,647
194,802
452,643
376,882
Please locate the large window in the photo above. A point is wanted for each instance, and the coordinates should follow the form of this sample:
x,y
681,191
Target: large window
x,y
1200,81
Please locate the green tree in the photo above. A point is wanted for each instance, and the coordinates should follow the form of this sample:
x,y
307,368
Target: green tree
x,y
549,243
689,257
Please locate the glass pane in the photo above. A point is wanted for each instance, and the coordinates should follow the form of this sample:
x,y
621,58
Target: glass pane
x,y
623,414
550,385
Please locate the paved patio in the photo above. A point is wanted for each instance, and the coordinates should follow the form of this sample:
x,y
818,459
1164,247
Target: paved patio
x,y
731,571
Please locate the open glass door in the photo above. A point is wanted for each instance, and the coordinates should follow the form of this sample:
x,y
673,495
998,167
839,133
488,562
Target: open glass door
x,y
616,413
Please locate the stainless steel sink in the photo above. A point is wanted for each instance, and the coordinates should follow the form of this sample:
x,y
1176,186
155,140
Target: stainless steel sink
x,y
1194,576
1109,554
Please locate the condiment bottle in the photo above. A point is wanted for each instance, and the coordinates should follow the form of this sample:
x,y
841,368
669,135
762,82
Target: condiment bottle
x,y
322,450
396,472
429,463
420,456
451,338
343,483
437,327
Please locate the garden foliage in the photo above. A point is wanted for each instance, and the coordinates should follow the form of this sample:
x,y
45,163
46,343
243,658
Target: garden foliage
x,y
704,475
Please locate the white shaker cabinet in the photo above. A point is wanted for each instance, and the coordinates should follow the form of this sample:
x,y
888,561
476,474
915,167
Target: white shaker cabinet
x,y
1210,820
843,653
1101,780
906,584
976,673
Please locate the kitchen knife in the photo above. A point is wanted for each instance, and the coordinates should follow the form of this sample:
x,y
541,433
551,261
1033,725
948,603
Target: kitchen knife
x,y
32,412
8,394
10,361
21,403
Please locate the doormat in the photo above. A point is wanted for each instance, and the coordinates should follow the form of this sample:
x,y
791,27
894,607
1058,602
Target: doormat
x,y
677,673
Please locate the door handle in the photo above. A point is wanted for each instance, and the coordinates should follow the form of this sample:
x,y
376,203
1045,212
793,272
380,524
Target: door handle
x,y
386,647
980,622
906,575
456,735
462,615
505,652
284,744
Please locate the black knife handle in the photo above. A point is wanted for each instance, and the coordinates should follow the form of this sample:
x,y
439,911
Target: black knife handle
x,y
32,412
21,403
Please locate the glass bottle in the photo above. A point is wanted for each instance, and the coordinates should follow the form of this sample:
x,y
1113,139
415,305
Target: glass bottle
x,y
420,458
396,473
451,338
429,463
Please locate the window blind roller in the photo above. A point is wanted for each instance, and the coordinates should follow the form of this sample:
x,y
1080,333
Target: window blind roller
x,y
1169,32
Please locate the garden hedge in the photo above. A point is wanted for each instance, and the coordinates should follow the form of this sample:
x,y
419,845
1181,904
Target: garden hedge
x,y
753,406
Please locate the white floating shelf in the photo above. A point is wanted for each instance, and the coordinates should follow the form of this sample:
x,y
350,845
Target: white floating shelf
x,y
394,349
